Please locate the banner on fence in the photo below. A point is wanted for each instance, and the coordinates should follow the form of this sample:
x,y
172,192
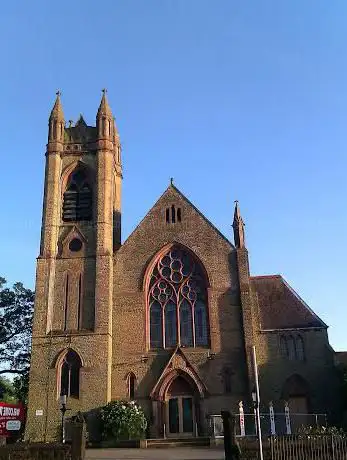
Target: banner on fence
x,y
242,419
272,419
11,418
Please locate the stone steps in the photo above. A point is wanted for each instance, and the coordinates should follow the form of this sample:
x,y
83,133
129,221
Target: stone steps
x,y
178,442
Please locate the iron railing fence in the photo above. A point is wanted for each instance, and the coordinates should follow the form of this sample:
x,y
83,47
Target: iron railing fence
x,y
308,447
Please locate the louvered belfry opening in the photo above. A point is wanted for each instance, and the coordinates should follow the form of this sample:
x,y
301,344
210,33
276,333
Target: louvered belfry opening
x,y
77,203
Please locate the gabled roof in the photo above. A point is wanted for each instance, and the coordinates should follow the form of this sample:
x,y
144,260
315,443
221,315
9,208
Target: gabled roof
x,y
280,307
173,188
178,364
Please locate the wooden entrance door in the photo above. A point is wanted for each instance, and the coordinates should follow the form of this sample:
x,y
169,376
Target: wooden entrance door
x,y
180,416
180,410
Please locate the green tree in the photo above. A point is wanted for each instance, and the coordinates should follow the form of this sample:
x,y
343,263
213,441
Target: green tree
x,y
6,390
16,316
21,387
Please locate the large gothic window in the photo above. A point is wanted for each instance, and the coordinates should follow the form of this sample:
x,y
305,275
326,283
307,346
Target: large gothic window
x,y
177,300
77,201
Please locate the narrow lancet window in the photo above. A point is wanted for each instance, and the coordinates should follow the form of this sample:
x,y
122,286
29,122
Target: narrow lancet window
x,y
70,375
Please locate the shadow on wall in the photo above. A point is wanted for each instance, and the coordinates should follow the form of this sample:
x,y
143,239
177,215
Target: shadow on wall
x,y
308,387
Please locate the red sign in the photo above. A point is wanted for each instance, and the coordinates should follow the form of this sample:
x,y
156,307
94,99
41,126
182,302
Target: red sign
x,y
11,418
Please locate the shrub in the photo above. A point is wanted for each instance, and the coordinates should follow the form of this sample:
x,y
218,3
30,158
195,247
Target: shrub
x,y
123,420
322,430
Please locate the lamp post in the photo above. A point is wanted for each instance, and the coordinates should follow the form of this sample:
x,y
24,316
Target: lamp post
x,y
63,410
256,402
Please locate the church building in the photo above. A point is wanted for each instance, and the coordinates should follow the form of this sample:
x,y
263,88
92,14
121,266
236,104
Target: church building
x,y
167,317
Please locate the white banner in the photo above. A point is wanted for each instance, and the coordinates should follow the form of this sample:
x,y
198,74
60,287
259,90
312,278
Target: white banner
x,y
242,420
272,419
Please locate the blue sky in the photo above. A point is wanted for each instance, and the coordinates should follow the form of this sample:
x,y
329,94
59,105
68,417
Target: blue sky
x,y
241,99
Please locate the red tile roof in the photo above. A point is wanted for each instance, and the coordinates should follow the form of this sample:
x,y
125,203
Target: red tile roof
x,y
280,306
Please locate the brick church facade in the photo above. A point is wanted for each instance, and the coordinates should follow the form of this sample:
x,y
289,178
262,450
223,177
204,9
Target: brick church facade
x,y
168,317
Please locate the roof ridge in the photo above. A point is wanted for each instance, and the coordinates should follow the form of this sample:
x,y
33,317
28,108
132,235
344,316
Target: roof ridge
x,y
266,276
199,212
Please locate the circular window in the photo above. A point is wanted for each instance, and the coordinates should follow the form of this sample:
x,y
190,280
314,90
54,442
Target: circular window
x,y
75,245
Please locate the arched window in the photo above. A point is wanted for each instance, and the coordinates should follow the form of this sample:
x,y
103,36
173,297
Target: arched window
x,y
283,347
300,348
227,373
77,201
177,300
291,348
131,380
70,374
173,215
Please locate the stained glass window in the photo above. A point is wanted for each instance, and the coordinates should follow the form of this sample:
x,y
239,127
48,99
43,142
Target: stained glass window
x,y
170,324
177,301
156,321
201,323
186,324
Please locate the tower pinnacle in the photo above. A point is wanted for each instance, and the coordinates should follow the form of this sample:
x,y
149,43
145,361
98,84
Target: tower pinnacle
x,y
57,111
104,108
104,120
56,121
239,227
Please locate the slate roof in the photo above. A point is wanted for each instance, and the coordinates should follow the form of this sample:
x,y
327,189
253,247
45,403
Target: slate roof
x,y
281,307
341,357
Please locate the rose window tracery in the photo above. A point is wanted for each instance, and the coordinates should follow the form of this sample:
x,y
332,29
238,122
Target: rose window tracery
x,y
177,301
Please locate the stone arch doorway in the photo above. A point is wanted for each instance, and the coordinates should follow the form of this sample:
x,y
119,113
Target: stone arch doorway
x,y
178,400
181,408
297,394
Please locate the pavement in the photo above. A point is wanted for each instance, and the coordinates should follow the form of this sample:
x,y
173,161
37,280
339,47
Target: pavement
x,y
173,453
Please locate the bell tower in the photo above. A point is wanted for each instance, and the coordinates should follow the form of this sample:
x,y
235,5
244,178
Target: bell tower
x,y
81,229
